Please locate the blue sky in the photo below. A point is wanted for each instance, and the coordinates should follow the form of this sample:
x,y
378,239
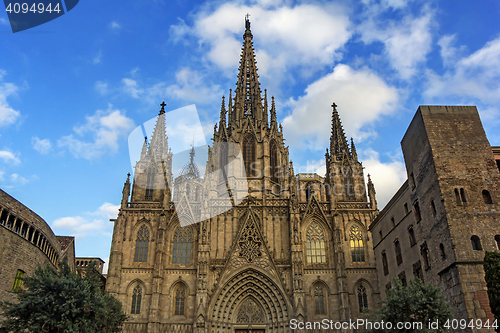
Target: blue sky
x,y
73,89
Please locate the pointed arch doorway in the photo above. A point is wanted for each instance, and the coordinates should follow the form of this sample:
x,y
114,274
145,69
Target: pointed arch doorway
x,y
250,317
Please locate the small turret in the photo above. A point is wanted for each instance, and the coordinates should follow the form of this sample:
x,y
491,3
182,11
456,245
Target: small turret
x,y
371,193
126,192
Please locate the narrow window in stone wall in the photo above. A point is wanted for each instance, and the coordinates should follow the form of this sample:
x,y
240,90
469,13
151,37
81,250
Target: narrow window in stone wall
x,y
487,197
223,154
273,150
412,181
417,270
349,182
3,217
418,216
384,263
476,243
497,241
18,281
462,195
393,222
249,155
411,234
357,246
315,244
405,208
433,207
319,300
399,255
183,241
443,253
362,299
141,245
402,277
309,189
180,300
388,286
457,197
136,300
424,251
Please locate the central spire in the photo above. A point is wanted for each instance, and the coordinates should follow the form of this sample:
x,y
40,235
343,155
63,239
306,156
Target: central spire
x,y
248,100
338,141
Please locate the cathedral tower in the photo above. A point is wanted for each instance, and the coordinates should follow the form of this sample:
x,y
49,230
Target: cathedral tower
x,y
293,249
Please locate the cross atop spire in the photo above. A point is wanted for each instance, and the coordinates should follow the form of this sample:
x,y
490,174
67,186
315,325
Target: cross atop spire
x,y
248,100
163,104
338,141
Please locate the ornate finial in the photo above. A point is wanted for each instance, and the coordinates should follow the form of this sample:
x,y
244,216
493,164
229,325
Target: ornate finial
x,y
334,106
163,104
247,21
128,177
192,153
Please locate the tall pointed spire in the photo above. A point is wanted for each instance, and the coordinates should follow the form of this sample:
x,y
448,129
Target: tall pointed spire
x,y
222,121
157,144
144,148
248,100
354,154
273,114
338,141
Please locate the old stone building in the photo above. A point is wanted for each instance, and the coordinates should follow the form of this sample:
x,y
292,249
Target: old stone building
x,y
445,216
26,241
296,247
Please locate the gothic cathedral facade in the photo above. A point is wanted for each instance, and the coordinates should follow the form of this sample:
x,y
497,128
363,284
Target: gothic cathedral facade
x,y
297,246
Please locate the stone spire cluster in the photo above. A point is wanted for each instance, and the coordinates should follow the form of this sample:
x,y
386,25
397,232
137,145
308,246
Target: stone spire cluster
x,y
338,141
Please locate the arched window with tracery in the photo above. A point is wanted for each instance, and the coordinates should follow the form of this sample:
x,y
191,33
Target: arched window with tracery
x,y
142,244
249,155
136,300
183,241
315,244
273,151
348,182
180,300
250,313
223,151
319,300
357,246
150,184
362,299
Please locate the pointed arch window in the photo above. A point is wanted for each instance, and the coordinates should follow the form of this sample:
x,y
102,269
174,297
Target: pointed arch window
x,y
180,300
487,197
349,182
362,299
18,281
141,245
183,241
136,300
315,244
319,300
273,151
357,246
249,155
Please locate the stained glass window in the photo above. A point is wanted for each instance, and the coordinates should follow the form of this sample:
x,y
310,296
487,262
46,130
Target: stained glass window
x,y
141,245
249,155
180,300
319,300
356,242
136,300
315,244
362,299
250,313
183,240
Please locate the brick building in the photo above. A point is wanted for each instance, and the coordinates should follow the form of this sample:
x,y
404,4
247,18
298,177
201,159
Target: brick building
x,y
26,241
446,215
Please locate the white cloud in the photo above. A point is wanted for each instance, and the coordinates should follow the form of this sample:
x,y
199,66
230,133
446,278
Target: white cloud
x,y
361,96
97,58
448,52
42,146
9,157
89,223
18,179
105,127
115,25
471,78
407,42
4,21
8,115
191,87
131,88
387,177
101,87
308,35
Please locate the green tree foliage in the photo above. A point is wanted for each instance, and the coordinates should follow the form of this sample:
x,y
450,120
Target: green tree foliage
x,y
417,303
62,301
492,277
